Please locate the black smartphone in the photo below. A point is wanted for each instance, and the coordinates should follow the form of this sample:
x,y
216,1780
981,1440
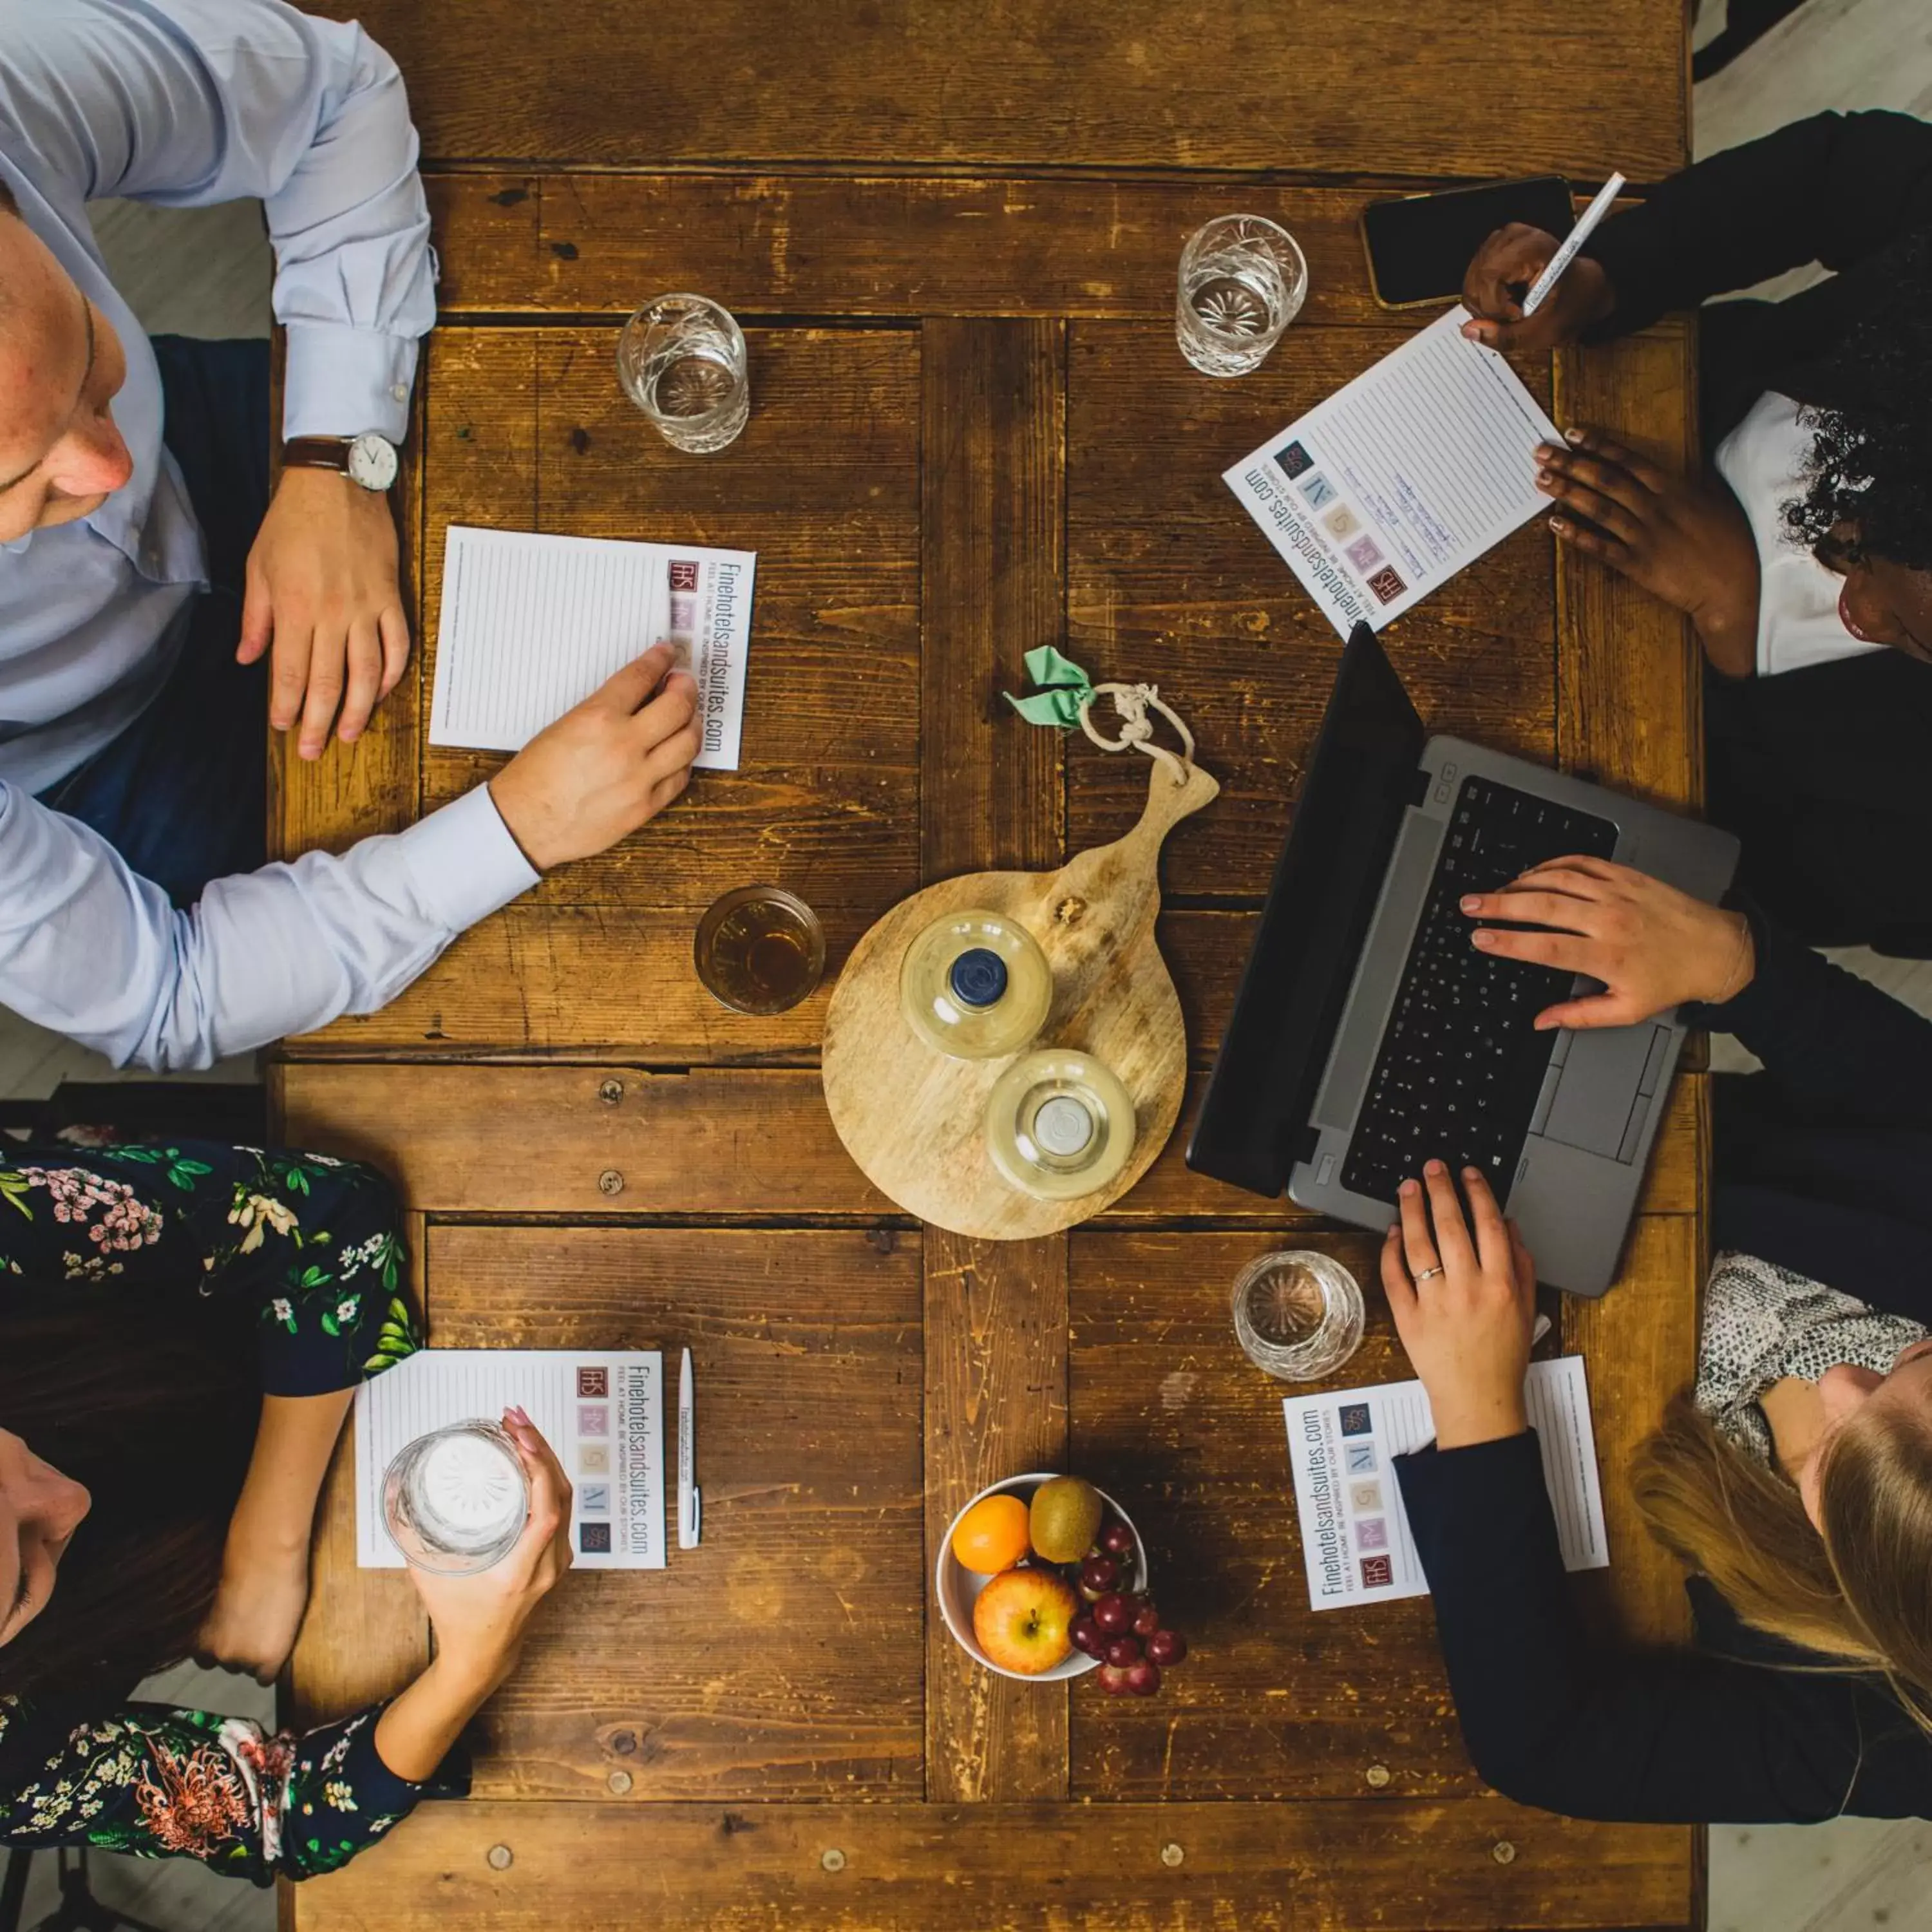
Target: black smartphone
x,y
1420,246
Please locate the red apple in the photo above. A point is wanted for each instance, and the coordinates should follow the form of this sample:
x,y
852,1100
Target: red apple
x,y
1022,1619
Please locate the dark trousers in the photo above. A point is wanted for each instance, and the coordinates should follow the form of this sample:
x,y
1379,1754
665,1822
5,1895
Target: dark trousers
x,y
182,792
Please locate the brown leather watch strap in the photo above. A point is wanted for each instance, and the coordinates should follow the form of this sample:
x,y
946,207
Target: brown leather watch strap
x,y
316,452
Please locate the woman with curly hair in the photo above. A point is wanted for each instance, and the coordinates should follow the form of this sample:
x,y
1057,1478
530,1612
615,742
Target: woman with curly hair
x,y
1805,560
182,1331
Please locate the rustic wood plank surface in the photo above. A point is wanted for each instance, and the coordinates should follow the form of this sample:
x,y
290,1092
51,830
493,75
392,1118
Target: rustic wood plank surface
x,y
970,434
1511,89
1479,1865
784,1656
722,1144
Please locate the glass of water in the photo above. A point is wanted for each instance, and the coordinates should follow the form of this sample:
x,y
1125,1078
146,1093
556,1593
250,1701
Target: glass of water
x,y
1243,280
681,360
457,1499
1298,1314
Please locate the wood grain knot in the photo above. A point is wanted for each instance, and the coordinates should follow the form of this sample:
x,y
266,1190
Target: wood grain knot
x,y
623,1742
565,251
579,438
509,197
884,1239
1070,911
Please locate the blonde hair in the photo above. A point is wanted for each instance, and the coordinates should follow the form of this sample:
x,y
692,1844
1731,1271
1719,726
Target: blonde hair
x,y
1858,1592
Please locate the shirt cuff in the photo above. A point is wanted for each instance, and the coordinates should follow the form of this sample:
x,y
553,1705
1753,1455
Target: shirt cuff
x,y
341,381
464,862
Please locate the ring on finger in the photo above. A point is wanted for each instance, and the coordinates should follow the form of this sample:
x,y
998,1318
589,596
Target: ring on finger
x,y
1424,1274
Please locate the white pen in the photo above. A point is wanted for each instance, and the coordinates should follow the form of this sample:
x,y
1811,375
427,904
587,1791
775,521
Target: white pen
x,y
1586,227
690,1497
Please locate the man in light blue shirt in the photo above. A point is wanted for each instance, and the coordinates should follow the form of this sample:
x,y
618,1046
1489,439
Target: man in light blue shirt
x,y
139,602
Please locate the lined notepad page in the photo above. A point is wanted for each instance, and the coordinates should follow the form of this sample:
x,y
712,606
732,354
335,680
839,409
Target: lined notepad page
x,y
601,1411
532,625
1402,477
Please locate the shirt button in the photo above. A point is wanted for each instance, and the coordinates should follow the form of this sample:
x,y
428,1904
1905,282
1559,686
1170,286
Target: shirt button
x,y
401,392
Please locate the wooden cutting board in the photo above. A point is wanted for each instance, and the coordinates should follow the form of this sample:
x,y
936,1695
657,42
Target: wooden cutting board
x,y
912,1117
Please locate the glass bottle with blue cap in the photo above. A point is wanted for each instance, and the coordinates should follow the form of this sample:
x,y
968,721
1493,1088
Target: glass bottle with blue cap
x,y
976,984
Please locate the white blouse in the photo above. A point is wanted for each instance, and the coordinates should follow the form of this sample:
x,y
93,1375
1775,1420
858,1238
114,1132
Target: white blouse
x,y
1763,460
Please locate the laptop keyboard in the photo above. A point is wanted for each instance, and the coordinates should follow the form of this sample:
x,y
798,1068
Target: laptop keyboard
x,y
1461,1066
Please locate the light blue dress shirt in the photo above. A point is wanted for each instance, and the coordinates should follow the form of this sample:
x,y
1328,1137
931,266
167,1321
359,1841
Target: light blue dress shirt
x,y
185,102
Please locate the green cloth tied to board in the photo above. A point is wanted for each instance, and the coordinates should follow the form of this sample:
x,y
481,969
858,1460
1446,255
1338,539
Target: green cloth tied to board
x,y
1065,688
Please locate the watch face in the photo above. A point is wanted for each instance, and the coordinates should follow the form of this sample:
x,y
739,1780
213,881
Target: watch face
x,y
372,462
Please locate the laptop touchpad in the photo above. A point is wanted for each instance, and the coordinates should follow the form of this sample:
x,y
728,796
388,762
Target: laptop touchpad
x,y
1592,1106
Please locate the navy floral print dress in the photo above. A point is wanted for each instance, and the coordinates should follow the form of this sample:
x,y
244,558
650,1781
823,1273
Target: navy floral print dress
x,y
315,1245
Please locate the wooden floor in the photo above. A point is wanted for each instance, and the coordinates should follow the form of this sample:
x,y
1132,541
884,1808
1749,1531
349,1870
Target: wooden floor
x,y
1843,53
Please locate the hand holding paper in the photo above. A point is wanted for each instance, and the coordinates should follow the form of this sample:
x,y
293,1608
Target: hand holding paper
x,y
605,768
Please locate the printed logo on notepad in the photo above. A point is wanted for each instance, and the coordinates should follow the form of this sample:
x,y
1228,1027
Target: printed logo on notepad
x,y
683,575
1294,459
593,1539
1378,1572
593,1382
1355,1419
1387,586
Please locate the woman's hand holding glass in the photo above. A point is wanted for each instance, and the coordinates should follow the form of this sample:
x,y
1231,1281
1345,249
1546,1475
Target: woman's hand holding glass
x,y
1651,947
480,1620
1463,1295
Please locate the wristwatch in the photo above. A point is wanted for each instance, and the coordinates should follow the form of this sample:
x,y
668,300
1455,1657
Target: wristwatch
x,y
368,460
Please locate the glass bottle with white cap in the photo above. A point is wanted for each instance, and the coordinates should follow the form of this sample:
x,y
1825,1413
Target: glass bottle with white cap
x,y
1059,1124
976,984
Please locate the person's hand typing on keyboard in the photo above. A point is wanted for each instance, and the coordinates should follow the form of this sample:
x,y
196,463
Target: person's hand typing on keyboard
x,y
1651,947
1463,1295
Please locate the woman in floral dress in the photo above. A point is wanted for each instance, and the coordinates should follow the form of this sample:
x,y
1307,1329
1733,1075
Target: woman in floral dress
x,y
182,1331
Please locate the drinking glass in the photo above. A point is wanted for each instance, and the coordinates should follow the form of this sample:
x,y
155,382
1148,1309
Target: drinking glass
x,y
759,950
457,1499
1243,280
681,360
1298,1314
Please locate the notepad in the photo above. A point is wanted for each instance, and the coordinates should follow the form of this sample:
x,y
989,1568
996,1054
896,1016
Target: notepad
x,y
1355,1539
532,625
601,1410
1401,477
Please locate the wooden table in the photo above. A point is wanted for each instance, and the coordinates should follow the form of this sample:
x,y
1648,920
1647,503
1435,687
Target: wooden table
x,y
971,433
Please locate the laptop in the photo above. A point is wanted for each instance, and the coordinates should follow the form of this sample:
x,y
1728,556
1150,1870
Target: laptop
x,y
1369,1035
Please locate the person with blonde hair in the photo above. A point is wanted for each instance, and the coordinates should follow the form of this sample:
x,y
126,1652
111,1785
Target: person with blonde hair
x,y
1794,1480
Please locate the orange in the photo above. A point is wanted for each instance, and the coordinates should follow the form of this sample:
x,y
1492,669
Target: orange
x,y
992,1536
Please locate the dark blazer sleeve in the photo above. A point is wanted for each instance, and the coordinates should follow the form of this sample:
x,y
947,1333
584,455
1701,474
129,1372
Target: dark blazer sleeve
x,y
1834,189
1851,1052
1657,1737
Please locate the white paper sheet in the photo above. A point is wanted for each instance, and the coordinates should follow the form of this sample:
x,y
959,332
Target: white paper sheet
x,y
602,1411
1355,1539
532,625
1401,477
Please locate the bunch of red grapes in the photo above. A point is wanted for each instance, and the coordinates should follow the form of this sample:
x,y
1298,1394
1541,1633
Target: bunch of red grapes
x,y
1122,1627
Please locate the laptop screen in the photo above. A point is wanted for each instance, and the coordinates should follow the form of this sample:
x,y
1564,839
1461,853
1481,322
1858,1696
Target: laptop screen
x,y
1364,771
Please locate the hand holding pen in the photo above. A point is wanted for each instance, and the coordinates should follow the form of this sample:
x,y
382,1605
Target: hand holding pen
x,y
1525,289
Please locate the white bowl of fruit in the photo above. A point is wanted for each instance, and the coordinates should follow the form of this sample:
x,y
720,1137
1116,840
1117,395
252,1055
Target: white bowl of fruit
x,y
1044,1577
